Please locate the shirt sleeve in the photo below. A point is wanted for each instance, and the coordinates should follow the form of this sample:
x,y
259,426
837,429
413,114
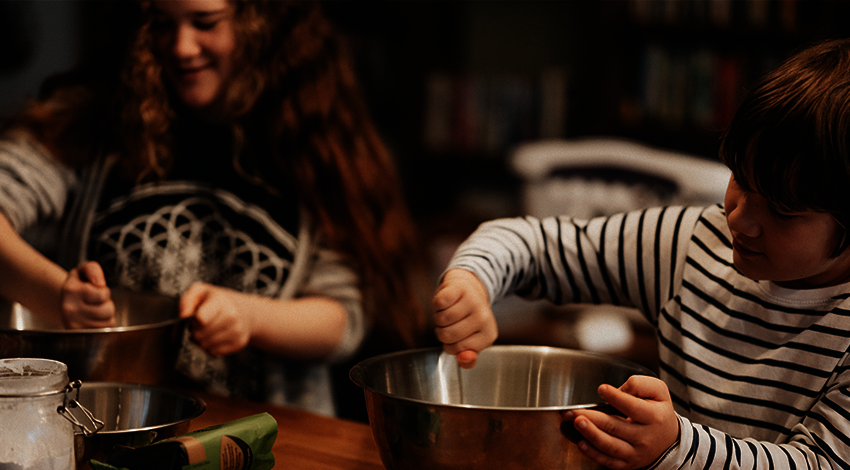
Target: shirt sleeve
x,y
633,259
332,276
34,187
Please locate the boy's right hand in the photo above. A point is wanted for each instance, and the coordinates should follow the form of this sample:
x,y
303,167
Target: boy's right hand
x,y
464,320
86,300
648,428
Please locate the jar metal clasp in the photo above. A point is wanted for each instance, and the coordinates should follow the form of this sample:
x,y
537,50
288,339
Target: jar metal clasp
x,y
70,403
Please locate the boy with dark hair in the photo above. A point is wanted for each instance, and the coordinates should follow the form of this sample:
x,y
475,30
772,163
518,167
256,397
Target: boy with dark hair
x,y
749,298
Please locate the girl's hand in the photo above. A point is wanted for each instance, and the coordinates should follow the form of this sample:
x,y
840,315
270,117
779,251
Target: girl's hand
x,y
464,320
637,440
86,302
217,325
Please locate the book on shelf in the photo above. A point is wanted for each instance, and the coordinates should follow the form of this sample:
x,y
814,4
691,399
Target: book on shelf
x,y
697,87
760,14
487,113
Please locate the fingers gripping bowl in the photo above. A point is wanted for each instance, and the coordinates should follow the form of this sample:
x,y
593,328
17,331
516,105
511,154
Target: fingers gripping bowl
x,y
141,348
504,413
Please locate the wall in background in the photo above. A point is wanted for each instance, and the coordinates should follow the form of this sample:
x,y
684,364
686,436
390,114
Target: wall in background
x,y
456,85
38,38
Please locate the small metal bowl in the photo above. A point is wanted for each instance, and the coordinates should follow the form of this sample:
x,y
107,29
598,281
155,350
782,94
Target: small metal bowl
x,y
426,412
141,348
133,415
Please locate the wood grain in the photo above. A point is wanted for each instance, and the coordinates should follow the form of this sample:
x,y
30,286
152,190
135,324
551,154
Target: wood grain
x,y
305,441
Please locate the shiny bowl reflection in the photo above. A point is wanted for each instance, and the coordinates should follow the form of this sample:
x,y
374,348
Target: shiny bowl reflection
x,y
134,415
426,412
142,348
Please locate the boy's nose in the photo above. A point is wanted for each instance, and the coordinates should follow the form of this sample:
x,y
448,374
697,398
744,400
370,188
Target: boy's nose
x,y
743,218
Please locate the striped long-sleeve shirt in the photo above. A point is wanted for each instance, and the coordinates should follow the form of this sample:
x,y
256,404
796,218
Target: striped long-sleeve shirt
x,y
758,373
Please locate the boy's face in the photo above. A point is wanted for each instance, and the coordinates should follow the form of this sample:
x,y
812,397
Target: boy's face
x,y
791,249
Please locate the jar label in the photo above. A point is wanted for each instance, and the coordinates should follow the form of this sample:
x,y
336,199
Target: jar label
x,y
235,453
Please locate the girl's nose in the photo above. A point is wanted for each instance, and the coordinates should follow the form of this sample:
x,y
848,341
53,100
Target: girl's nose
x,y
185,44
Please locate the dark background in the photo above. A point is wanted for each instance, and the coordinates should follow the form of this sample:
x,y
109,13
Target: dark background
x,y
599,47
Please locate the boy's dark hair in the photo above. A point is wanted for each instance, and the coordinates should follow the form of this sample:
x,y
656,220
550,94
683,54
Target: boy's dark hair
x,y
788,140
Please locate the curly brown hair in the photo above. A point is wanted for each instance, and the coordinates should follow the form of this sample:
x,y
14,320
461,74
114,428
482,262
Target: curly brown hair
x,y
298,120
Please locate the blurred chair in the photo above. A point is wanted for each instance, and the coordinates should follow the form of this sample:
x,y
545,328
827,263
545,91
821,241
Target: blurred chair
x,y
599,176
602,176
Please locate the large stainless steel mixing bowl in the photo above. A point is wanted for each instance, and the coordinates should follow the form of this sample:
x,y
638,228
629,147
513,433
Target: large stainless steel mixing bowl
x,y
142,348
134,415
504,413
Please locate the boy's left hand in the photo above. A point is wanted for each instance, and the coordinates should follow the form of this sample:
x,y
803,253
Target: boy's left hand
x,y
463,318
649,428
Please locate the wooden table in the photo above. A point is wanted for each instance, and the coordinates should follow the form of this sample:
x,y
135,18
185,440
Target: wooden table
x,y
305,441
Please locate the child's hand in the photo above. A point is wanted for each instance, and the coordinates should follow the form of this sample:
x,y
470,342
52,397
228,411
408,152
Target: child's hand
x,y
464,320
637,440
86,300
217,326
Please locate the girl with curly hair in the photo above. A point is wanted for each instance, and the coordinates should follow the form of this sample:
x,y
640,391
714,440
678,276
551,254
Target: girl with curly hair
x,y
226,158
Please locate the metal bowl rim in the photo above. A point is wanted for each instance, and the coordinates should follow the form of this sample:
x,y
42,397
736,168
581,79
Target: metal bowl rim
x,y
356,375
200,404
89,331
117,292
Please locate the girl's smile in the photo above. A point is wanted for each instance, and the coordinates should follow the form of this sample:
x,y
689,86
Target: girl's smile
x,y
196,42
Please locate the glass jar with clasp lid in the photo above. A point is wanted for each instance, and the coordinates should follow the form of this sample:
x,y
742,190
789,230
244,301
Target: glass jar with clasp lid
x,y
36,418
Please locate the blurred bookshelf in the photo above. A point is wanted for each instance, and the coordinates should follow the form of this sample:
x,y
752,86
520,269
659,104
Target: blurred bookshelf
x,y
485,113
456,85
692,60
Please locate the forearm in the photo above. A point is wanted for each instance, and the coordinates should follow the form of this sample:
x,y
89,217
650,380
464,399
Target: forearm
x,y
501,254
616,260
309,328
27,276
701,447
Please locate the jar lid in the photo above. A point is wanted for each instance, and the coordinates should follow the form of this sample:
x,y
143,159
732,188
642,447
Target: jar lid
x,y
31,376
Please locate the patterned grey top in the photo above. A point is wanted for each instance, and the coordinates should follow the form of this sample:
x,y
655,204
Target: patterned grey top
x,y
162,237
